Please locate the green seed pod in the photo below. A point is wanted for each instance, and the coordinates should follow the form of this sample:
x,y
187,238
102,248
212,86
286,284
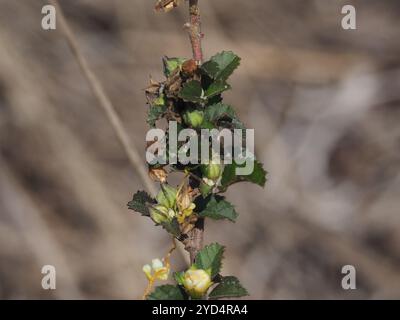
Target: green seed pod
x,y
159,214
212,171
167,196
194,118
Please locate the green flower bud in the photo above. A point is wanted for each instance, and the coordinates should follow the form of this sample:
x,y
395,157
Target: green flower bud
x,y
194,118
197,282
159,214
160,101
170,64
212,171
171,214
167,196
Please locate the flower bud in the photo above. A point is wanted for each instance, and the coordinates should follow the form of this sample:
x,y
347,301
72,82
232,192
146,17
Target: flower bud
x,y
196,282
171,213
212,171
159,214
160,101
157,270
205,187
147,270
156,264
167,196
193,118
160,270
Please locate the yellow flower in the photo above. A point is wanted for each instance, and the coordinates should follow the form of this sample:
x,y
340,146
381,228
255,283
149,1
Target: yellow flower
x,y
147,270
157,270
197,282
185,204
160,270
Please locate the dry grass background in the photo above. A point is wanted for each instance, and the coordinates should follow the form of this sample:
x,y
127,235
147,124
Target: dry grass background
x,y
325,105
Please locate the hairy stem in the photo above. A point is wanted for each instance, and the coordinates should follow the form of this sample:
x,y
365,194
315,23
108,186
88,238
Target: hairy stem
x,y
195,30
196,236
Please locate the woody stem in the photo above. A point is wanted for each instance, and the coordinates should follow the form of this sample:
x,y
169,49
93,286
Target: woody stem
x,y
195,30
196,235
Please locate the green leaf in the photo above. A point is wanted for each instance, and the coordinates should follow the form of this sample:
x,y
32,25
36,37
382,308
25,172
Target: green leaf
x,y
140,202
217,111
155,112
205,189
229,287
237,124
192,92
222,65
211,68
210,257
172,227
258,176
166,292
167,196
216,88
170,64
179,277
220,111
217,208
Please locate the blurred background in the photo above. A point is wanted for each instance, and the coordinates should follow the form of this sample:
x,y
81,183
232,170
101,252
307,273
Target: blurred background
x,y
325,106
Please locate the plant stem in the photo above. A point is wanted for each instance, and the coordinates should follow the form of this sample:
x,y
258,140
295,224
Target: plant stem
x,y
195,241
195,30
104,101
196,236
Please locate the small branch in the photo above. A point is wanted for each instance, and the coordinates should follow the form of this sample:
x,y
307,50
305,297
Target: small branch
x,y
196,237
104,101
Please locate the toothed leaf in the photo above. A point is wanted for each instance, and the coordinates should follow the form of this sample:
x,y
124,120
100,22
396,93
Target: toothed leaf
x,y
218,208
210,257
217,111
172,227
222,65
216,88
167,292
140,202
192,92
258,176
229,287
155,112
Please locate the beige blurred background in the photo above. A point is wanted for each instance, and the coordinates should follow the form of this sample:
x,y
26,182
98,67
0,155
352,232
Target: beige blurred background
x,y
325,106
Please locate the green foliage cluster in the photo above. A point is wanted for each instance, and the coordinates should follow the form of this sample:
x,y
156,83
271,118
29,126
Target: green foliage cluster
x,y
192,95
